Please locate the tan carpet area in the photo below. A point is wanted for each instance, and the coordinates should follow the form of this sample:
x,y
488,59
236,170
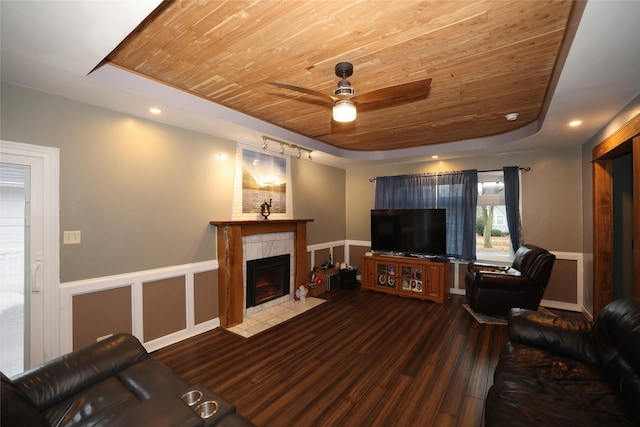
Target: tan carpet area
x,y
496,320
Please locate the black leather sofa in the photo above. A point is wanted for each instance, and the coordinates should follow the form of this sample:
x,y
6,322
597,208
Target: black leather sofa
x,y
495,290
561,372
110,383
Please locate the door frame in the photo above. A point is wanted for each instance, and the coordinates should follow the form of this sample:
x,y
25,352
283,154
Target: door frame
x,y
50,266
625,140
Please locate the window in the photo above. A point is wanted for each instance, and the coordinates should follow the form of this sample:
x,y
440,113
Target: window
x,y
492,232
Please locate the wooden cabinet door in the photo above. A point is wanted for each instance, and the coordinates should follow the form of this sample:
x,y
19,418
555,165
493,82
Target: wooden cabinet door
x,y
434,277
368,277
387,275
411,279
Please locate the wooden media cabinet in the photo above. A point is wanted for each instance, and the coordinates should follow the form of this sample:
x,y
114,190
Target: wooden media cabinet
x,y
411,277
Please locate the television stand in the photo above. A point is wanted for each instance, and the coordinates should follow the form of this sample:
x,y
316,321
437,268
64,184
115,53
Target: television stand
x,y
410,277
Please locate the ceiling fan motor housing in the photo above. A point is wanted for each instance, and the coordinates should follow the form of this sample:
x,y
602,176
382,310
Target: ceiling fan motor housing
x,y
344,90
344,70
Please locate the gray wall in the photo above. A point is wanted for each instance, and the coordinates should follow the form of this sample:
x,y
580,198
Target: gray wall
x,y
551,194
319,194
142,193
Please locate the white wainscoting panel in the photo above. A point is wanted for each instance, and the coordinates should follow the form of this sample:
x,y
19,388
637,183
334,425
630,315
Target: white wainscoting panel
x,y
135,280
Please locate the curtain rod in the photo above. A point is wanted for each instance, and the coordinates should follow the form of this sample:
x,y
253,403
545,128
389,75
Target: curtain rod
x,y
525,169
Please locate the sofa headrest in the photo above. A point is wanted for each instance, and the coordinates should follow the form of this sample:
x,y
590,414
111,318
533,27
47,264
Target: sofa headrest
x,y
79,369
617,333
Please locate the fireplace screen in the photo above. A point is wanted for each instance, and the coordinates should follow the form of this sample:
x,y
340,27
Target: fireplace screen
x,y
267,279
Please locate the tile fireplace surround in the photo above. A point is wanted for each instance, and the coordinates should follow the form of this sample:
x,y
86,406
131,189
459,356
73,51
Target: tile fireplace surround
x,y
231,258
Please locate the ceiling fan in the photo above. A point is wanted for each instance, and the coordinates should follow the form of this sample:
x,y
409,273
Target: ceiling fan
x,y
344,98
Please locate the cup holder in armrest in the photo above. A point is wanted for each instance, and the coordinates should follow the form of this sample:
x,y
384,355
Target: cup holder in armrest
x,y
210,407
192,397
207,409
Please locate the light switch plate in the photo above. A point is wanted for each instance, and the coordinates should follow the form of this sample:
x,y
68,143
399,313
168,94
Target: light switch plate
x,y
71,237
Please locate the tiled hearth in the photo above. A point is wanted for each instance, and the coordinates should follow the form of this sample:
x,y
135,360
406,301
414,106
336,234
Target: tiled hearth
x,y
261,321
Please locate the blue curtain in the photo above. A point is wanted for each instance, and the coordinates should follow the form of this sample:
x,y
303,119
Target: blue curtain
x,y
406,192
457,192
512,204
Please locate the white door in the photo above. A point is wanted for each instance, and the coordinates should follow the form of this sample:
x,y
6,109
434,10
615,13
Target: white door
x,y
28,256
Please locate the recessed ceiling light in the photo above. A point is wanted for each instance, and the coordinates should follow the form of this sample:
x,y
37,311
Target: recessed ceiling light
x,y
575,123
512,117
155,110
434,157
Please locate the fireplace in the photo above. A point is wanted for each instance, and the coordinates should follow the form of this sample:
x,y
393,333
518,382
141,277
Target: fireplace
x,y
232,246
267,279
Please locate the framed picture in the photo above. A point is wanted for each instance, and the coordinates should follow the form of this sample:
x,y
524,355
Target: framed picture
x,y
261,177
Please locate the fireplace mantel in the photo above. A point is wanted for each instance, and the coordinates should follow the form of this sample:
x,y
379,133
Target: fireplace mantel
x,y
230,260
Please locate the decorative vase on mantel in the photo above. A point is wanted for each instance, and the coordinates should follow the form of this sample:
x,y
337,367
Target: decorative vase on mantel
x,y
265,209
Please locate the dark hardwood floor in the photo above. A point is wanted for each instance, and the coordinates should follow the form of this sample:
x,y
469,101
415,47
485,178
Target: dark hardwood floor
x,y
361,359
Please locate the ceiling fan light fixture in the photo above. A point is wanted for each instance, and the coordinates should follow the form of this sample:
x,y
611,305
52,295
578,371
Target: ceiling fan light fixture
x,y
344,111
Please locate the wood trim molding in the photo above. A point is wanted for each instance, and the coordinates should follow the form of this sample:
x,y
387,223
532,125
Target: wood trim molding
x,y
625,140
602,234
636,209
619,143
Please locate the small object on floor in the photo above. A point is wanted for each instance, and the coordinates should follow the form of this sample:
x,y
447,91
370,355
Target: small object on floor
x,y
301,293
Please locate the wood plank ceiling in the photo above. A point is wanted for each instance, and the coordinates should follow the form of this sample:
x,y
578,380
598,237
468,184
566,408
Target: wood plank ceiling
x,y
486,59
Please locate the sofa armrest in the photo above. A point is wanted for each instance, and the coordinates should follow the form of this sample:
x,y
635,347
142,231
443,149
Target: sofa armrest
x,y
64,376
480,266
568,337
161,411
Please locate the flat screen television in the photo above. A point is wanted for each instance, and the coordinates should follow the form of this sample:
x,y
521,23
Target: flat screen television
x,y
409,232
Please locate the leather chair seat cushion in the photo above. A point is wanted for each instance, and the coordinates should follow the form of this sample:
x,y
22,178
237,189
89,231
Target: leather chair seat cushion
x,y
533,387
93,405
121,395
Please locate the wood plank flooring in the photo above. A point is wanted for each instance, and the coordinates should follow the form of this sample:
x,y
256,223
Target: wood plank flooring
x,y
361,359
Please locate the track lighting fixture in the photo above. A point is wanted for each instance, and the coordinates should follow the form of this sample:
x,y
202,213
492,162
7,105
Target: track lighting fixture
x,y
284,146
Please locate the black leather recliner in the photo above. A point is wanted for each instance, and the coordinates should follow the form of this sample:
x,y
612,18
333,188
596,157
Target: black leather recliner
x,y
113,382
495,290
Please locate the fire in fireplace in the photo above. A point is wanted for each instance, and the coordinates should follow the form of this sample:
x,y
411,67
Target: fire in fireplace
x,y
267,279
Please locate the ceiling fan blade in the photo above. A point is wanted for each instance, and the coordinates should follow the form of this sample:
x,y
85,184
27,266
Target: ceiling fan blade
x,y
402,91
312,92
